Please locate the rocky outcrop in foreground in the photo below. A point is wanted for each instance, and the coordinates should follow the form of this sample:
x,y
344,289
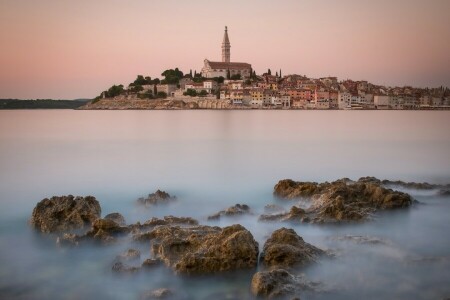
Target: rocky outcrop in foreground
x,y
205,249
158,197
285,249
65,213
236,210
341,200
280,283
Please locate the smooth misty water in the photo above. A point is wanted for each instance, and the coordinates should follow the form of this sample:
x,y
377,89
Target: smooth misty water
x,y
211,160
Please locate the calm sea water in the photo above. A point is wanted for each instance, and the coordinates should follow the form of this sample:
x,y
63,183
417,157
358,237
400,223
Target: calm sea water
x,y
211,160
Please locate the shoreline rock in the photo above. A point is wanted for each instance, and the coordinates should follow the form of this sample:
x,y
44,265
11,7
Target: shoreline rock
x,y
65,213
341,200
236,210
286,249
204,249
158,197
280,283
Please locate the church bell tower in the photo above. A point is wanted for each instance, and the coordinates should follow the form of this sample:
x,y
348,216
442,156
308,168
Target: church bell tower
x,y
226,47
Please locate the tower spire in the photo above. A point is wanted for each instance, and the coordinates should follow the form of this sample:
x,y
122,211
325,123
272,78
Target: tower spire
x,y
226,47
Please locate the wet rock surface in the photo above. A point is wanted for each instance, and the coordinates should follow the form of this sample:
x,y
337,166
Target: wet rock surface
x,y
65,213
295,214
205,249
236,210
151,263
171,220
116,217
279,283
360,239
285,249
341,200
129,255
158,197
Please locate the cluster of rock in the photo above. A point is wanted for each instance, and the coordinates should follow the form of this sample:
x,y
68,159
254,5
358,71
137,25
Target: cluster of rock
x,y
341,200
236,210
186,247
158,197
123,103
183,245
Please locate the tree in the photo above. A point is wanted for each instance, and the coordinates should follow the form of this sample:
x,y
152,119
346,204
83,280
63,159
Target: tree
x,y
235,77
276,74
190,92
140,80
114,91
219,79
190,73
254,74
136,88
218,93
248,82
195,73
155,90
228,74
161,95
148,80
172,76
269,72
203,93
280,73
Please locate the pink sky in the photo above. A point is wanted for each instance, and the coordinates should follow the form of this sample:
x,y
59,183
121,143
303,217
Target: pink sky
x,y
73,49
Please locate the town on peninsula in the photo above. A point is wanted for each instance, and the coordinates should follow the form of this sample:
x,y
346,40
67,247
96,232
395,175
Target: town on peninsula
x,y
235,85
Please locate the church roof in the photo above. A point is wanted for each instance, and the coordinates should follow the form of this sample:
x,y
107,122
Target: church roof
x,y
229,65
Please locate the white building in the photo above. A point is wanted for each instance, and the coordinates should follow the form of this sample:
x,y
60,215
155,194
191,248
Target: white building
x,y
344,100
382,101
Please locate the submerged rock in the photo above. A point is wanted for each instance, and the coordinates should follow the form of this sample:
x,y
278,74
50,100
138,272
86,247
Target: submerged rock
x,y
151,263
116,217
360,239
161,293
158,197
341,200
280,283
295,214
204,249
273,208
65,213
286,249
130,254
236,210
120,267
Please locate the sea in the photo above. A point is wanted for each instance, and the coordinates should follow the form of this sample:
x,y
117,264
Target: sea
x,y
211,160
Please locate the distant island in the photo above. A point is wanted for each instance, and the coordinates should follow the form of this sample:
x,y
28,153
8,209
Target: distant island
x,y
235,85
42,104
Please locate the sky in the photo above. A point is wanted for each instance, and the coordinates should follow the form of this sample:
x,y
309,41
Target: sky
x,y
65,49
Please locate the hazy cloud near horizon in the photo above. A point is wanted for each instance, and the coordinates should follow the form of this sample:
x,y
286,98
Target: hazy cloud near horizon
x,y
73,49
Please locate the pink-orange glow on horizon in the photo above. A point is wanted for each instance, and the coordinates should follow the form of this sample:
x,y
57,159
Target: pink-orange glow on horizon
x,y
73,49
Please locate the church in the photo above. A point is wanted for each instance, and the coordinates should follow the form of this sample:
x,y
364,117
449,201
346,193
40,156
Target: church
x,y
213,69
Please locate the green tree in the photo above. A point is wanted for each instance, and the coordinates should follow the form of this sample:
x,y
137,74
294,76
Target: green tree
x,y
140,80
172,76
136,89
269,72
203,93
155,90
218,94
114,91
161,95
248,82
236,77
228,74
190,92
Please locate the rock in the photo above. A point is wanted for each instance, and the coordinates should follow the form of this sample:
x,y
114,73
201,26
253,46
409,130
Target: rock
x,y
280,283
130,254
273,208
444,192
120,267
151,263
296,214
116,217
204,249
171,220
161,293
341,200
65,213
236,210
286,249
158,197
